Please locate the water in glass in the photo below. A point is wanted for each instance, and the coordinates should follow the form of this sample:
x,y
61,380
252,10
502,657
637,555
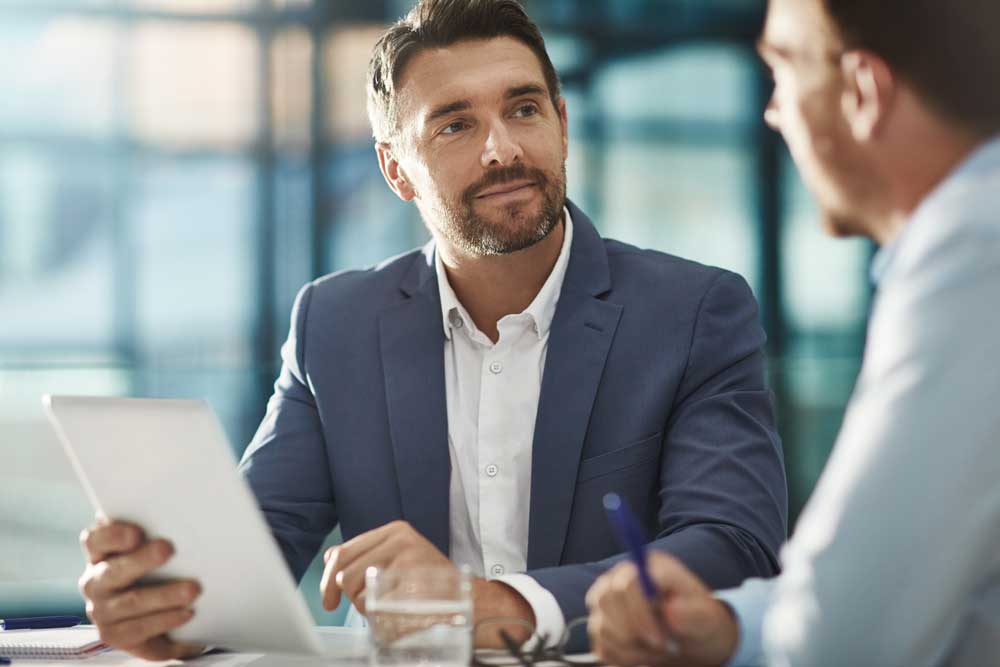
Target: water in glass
x,y
420,616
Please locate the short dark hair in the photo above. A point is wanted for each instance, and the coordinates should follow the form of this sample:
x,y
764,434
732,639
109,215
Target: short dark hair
x,y
948,50
440,23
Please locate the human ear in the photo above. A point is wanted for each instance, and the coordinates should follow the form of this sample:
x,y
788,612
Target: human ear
x,y
393,172
564,123
870,90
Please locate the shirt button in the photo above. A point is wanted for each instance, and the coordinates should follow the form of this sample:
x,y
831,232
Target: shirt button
x,y
492,470
456,320
497,570
496,368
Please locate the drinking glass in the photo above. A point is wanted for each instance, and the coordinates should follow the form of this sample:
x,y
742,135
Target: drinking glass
x,y
419,616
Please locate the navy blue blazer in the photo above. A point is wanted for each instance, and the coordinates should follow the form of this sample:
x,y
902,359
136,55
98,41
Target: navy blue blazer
x,y
654,387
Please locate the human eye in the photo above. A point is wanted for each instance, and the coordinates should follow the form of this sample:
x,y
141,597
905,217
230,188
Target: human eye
x,y
454,127
526,110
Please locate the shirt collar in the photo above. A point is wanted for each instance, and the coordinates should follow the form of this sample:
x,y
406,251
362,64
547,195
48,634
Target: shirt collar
x,y
883,259
981,159
542,309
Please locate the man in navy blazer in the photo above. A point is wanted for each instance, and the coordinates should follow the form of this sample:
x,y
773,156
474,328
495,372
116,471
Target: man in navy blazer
x,y
653,388
471,403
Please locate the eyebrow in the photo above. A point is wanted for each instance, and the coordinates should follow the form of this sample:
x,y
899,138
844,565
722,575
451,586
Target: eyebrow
x,y
522,91
448,108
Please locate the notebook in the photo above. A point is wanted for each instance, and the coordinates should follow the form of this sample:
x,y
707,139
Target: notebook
x,y
61,644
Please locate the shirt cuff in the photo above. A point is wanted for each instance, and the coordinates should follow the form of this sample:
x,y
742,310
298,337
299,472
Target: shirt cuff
x,y
749,603
549,620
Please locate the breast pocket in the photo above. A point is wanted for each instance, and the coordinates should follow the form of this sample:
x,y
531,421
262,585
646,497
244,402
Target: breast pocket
x,y
643,452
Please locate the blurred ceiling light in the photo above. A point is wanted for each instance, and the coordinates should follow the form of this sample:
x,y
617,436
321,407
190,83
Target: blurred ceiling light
x,y
345,56
194,6
193,85
291,89
60,77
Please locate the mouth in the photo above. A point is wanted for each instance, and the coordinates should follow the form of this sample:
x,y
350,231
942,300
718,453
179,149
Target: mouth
x,y
506,189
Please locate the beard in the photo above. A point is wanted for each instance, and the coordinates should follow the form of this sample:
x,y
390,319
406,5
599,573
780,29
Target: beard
x,y
512,227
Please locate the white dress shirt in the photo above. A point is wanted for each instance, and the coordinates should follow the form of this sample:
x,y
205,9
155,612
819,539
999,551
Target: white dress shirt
x,y
896,559
492,397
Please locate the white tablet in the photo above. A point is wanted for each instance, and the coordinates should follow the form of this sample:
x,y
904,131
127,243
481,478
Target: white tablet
x,y
166,466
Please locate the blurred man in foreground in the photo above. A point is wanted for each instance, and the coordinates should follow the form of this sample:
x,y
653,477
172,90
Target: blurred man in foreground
x,y
892,111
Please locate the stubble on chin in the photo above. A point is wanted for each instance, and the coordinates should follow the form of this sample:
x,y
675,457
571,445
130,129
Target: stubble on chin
x,y
507,229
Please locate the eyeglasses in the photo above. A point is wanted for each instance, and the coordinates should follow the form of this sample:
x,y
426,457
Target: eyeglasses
x,y
540,651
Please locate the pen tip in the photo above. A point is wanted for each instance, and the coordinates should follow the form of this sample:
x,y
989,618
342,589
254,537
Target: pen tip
x,y
612,501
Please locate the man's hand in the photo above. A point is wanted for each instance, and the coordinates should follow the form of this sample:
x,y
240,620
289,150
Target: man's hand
x,y
128,616
398,545
394,545
624,628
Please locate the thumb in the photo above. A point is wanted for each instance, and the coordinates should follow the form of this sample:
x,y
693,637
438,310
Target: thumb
x,y
672,578
704,626
692,617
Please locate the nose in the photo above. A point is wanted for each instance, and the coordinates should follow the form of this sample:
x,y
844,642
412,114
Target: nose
x,y
501,148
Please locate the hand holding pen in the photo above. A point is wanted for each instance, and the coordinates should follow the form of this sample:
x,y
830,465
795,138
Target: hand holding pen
x,y
631,538
651,609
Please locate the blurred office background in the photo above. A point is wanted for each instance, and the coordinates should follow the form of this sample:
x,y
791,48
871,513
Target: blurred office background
x,y
172,171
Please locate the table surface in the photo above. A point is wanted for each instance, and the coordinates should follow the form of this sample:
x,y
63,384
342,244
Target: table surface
x,y
348,648
340,641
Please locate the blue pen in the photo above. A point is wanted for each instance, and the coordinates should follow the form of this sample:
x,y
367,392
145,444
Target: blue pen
x,y
631,539
39,622
4,661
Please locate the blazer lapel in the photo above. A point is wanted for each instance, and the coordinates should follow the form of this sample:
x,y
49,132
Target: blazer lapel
x,y
579,341
411,337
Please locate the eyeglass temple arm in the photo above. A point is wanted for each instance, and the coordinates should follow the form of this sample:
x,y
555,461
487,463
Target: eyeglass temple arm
x,y
514,649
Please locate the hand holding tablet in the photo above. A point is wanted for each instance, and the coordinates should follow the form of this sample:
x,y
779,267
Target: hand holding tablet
x,y
203,568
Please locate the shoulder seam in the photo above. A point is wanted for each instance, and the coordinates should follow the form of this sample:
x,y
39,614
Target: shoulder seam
x,y
694,327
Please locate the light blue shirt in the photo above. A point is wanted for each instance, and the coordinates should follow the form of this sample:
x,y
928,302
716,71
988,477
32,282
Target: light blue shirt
x,y
896,559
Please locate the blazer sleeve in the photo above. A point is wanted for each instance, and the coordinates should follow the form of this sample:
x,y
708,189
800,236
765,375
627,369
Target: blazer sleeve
x,y
723,495
286,464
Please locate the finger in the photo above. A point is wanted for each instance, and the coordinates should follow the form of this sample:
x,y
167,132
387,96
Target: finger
x,y
643,621
143,601
328,588
357,547
351,580
600,587
163,648
360,603
628,656
671,576
137,631
614,652
358,551
695,619
106,539
613,609
120,572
